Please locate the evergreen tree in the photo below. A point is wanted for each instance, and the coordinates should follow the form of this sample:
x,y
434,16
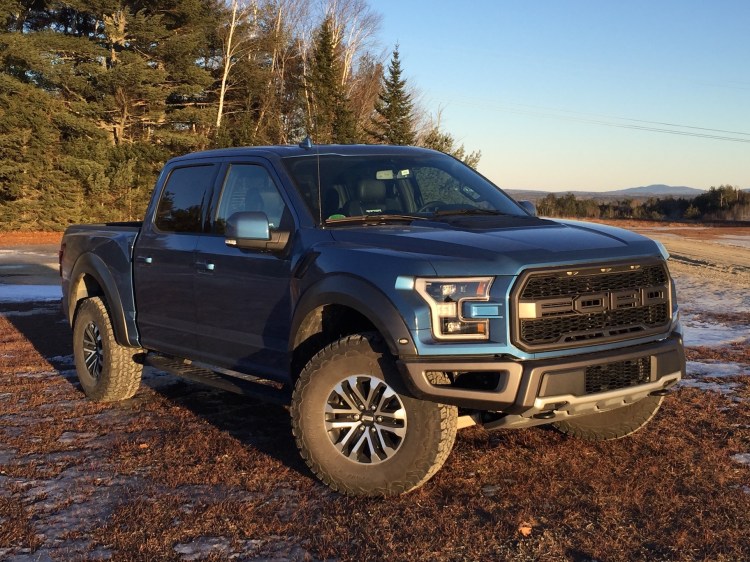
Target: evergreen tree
x,y
102,75
436,139
332,119
96,94
393,122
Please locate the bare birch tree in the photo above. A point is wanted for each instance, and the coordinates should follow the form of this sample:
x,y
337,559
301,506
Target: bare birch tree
x,y
355,27
286,20
243,14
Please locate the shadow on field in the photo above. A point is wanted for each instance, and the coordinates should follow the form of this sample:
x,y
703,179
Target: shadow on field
x,y
262,426
42,324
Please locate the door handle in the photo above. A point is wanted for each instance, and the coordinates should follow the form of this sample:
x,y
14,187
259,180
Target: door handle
x,y
147,260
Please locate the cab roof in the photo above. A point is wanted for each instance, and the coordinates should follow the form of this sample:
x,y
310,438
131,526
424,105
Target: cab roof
x,y
284,151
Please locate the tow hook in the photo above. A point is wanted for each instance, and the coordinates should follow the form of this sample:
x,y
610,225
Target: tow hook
x,y
662,392
548,415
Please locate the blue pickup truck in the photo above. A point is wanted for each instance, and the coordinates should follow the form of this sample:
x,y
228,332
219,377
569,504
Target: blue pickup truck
x,y
389,295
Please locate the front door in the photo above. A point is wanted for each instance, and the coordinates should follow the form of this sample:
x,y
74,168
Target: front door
x,y
243,296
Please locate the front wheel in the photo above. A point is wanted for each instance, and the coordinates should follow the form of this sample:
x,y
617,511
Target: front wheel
x,y
105,368
613,424
358,431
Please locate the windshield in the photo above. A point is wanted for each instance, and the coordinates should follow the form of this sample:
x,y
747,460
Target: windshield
x,y
376,185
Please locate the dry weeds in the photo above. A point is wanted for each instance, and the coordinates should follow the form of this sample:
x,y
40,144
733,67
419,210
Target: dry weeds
x,y
181,472
20,238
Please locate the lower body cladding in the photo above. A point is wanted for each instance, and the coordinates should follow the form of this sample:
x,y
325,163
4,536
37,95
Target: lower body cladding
x,y
529,393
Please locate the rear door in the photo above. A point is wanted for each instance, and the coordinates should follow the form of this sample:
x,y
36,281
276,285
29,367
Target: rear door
x,y
165,260
243,296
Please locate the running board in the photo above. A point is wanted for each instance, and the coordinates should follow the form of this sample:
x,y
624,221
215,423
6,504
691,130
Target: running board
x,y
224,379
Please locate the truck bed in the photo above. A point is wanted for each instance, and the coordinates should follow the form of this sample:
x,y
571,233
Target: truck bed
x,y
106,249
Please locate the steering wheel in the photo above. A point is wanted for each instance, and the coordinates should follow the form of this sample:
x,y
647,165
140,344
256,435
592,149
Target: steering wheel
x,y
430,206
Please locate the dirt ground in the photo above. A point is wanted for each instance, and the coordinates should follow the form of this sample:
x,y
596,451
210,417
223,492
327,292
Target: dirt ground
x,y
181,472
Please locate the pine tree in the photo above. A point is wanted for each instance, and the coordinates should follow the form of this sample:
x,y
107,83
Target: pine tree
x,y
393,122
437,139
332,119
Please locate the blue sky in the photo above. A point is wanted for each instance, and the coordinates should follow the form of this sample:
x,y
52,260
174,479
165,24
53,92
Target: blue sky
x,y
565,95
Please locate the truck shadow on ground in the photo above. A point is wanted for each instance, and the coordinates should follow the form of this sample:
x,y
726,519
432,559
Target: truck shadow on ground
x,y
265,427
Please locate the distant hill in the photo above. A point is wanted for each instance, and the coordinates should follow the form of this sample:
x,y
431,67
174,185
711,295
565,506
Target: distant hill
x,y
643,192
660,189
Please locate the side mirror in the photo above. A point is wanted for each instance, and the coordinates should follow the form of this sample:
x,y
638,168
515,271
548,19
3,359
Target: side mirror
x,y
250,231
529,207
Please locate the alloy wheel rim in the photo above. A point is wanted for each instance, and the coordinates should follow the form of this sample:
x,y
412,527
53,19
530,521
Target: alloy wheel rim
x,y
93,353
365,419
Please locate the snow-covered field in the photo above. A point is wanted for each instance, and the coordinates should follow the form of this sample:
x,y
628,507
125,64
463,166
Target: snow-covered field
x,y
29,293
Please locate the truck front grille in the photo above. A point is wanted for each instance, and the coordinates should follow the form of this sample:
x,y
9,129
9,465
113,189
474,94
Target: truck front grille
x,y
563,308
622,374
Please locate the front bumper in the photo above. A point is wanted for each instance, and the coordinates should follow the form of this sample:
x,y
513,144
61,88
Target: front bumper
x,y
540,391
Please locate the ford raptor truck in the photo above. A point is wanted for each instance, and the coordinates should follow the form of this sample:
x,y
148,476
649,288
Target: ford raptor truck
x,y
389,295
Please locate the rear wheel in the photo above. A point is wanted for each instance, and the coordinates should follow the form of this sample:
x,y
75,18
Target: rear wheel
x,y
356,428
105,368
612,424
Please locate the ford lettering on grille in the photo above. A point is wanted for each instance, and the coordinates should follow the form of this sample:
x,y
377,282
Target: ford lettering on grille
x,y
563,308
595,303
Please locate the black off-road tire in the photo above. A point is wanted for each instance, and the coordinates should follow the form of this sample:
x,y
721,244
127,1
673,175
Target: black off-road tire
x,y
613,424
409,439
106,370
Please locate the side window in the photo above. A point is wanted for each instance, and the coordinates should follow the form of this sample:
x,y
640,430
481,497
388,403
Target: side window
x,y
182,199
248,187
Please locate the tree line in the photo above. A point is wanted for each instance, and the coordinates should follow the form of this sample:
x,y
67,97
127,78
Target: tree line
x,y
95,95
718,203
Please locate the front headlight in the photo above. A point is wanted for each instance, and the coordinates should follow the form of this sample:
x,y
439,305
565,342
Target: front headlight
x,y
446,298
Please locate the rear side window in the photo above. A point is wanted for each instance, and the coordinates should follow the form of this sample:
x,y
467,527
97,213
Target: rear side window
x,y
183,198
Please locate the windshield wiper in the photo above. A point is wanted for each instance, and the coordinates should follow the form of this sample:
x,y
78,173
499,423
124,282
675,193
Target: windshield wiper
x,y
474,211
374,219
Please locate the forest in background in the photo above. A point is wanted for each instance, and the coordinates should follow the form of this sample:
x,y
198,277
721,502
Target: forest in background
x,y
95,95
723,203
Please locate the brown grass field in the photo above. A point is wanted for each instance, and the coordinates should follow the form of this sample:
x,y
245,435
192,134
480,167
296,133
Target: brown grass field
x,y
182,472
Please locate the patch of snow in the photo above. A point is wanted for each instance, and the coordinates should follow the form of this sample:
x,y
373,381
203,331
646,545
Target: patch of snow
x,y
742,458
691,228
52,255
42,555
7,456
30,293
49,309
739,241
62,360
721,388
74,436
37,374
205,546
699,332
697,371
698,294
156,379
716,369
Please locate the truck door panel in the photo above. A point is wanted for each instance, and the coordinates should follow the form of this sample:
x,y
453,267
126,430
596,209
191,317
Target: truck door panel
x,y
242,296
164,262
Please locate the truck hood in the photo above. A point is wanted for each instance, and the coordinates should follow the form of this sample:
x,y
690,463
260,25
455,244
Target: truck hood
x,y
496,245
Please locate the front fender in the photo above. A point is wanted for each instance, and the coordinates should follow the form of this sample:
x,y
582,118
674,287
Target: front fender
x,y
362,296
